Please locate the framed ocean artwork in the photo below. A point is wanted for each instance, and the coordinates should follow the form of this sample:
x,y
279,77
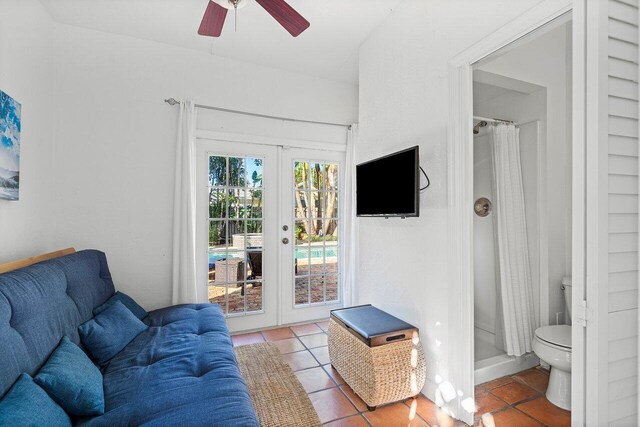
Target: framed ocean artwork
x,y
9,147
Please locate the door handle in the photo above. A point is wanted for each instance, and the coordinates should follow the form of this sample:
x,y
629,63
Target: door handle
x,y
285,241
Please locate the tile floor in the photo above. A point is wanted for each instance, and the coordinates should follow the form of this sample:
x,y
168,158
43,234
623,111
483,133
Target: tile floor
x,y
517,400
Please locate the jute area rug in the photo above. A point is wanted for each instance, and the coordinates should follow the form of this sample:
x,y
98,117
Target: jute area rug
x,y
278,397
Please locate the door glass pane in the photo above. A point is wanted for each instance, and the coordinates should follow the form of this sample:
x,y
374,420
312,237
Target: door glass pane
x,y
314,204
217,235
254,203
316,180
301,203
236,230
330,230
253,238
217,203
237,172
316,232
331,205
236,298
330,259
301,260
302,290
254,296
254,265
226,271
235,234
331,284
235,200
331,177
217,171
301,175
301,232
317,289
254,172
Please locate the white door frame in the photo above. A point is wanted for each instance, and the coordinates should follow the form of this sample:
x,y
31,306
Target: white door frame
x,y
460,196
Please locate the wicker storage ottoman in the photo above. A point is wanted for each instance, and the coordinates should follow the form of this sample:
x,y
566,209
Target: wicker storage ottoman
x,y
379,356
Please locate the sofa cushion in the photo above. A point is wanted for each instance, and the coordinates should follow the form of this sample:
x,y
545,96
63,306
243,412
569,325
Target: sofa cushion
x,y
110,331
72,380
42,303
128,302
181,370
26,404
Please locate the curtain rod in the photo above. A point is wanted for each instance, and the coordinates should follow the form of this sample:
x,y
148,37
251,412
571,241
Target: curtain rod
x,y
172,102
485,119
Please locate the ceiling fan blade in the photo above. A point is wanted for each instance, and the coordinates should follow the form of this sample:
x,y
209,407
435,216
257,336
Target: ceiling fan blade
x,y
213,20
287,16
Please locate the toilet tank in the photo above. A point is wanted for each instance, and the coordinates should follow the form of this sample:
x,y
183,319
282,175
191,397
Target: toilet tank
x,y
566,287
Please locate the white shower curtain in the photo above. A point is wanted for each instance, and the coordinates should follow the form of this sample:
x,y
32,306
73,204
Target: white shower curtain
x,y
185,289
515,292
350,223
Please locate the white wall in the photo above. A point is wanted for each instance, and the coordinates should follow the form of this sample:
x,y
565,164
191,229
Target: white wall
x,y
543,62
115,139
403,102
25,65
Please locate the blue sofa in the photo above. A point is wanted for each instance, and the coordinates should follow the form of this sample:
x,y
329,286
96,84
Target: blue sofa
x,y
180,371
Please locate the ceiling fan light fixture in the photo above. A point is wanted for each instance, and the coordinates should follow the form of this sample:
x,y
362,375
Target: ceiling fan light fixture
x,y
232,4
280,10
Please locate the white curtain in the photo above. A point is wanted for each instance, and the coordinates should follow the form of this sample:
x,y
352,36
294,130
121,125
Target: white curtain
x,y
511,231
185,289
350,220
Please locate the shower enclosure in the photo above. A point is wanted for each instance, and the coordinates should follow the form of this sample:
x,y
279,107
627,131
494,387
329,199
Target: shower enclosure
x,y
494,335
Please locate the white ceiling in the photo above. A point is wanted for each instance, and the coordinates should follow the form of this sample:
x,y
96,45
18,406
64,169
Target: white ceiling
x,y
329,48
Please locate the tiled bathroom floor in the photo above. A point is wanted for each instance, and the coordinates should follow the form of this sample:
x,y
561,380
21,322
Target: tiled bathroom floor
x,y
517,400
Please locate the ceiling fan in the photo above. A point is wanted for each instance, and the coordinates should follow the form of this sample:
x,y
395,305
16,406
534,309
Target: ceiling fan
x,y
216,13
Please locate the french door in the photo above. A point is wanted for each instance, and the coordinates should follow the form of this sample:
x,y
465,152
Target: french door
x,y
237,220
311,237
269,230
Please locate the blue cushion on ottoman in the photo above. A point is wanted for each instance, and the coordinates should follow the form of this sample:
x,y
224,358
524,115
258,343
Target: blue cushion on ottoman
x,y
110,331
26,404
72,380
128,302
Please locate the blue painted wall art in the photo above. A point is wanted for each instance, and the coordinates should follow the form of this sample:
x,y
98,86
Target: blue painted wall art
x,y
9,147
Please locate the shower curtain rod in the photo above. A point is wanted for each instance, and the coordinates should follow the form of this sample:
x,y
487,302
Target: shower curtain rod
x,y
485,119
172,102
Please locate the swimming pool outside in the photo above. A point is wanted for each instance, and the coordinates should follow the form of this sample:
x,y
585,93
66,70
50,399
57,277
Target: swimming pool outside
x,y
316,253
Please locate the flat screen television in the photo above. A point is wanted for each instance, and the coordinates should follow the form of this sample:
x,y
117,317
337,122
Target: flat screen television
x,y
389,186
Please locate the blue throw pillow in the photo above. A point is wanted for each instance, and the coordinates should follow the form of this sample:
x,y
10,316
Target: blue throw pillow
x,y
26,404
110,331
128,302
72,380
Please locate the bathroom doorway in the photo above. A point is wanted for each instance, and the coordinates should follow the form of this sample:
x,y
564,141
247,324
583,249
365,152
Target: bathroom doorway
x,y
522,251
502,97
604,215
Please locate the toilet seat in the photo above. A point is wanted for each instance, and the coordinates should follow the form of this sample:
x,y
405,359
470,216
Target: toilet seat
x,y
558,336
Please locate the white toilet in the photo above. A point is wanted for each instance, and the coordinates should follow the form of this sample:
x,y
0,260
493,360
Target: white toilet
x,y
552,344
